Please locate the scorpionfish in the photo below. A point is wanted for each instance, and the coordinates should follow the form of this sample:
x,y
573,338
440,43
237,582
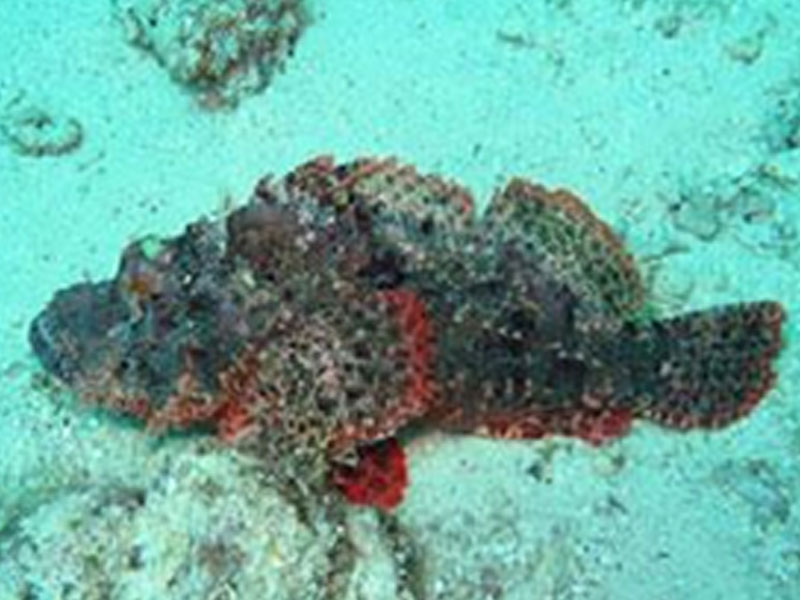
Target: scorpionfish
x,y
345,302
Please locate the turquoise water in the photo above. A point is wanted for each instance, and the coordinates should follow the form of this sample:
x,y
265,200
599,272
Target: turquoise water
x,y
677,121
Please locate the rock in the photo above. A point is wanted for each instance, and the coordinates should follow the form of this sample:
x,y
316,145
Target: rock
x,y
747,49
757,207
222,50
35,131
205,527
697,213
211,524
765,211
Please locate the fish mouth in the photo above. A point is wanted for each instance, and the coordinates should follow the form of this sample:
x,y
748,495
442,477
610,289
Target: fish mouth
x,y
69,335
43,337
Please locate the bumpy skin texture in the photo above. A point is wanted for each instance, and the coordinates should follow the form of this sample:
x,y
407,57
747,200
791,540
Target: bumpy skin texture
x,y
346,301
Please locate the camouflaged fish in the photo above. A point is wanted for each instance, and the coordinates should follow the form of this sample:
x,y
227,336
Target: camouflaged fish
x,y
345,301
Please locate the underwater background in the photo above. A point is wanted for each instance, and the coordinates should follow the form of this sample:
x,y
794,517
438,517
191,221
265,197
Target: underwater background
x,y
677,121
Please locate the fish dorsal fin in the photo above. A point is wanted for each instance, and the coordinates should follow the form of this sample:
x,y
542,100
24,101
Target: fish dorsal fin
x,y
422,197
385,185
586,253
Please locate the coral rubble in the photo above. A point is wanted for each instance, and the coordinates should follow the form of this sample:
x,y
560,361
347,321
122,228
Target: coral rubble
x,y
206,525
756,207
31,130
221,50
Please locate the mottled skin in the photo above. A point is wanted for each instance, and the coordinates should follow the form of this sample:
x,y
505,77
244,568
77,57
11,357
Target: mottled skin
x,y
346,301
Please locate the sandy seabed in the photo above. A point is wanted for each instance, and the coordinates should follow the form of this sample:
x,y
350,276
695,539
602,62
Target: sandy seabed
x,y
678,121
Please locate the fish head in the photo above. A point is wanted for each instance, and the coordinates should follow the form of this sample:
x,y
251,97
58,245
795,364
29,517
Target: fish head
x,y
73,335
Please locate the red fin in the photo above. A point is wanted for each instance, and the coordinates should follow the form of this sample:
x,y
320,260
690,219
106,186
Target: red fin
x,y
602,427
233,421
379,478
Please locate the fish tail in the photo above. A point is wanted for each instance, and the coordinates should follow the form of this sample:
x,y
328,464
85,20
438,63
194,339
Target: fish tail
x,y
706,368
